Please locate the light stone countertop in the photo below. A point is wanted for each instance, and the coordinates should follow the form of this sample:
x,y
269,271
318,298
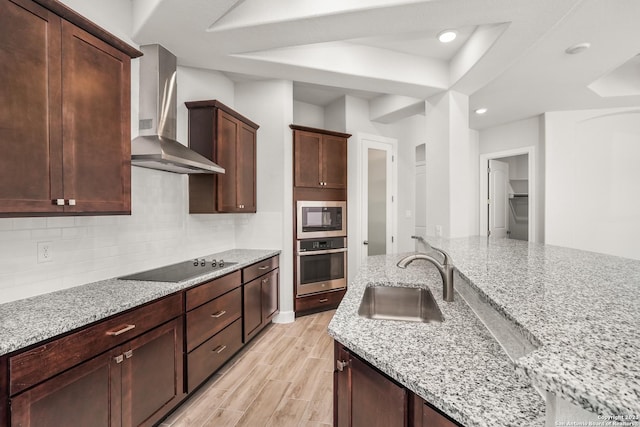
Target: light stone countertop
x,y
31,320
581,309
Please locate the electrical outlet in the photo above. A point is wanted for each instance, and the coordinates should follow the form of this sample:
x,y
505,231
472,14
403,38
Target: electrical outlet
x,y
438,231
45,252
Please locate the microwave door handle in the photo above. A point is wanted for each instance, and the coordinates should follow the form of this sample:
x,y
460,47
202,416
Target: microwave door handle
x,y
328,251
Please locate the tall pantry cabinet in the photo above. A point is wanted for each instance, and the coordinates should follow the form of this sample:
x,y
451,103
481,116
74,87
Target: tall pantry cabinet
x,y
319,174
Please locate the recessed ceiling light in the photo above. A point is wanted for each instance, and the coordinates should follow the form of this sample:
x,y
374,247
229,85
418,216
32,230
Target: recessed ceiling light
x,y
447,36
577,48
481,111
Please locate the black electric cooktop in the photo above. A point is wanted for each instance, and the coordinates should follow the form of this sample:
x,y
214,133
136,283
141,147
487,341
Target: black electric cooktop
x,y
180,271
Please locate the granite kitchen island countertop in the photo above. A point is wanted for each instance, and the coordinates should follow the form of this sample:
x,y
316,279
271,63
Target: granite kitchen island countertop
x,y
580,309
31,320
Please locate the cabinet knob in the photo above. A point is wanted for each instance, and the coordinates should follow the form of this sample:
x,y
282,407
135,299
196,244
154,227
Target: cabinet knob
x,y
128,354
71,202
119,358
341,364
58,202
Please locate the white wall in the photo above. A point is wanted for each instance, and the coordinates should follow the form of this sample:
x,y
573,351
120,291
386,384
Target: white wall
x,y
335,115
592,180
270,104
197,84
520,135
410,132
305,114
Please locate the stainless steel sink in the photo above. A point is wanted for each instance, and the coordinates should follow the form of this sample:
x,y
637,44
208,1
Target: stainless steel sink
x,y
397,303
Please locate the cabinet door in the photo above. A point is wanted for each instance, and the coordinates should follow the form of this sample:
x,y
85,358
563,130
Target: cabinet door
x,y
87,395
252,303
307,172
333,158
96,124
246,169
270,295
341,390
30,113
152,374
228,129
376,401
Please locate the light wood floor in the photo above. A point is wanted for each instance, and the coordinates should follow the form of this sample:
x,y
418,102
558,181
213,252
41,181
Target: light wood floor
x,y
282,378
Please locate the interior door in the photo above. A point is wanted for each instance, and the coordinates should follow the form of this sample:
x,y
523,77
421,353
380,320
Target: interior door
x,y
498,199
377,198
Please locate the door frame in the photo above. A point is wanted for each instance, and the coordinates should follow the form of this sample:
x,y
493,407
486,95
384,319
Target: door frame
x,y
355,202
533,193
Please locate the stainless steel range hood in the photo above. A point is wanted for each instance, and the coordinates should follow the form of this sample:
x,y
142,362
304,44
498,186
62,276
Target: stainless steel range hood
x,y
156,146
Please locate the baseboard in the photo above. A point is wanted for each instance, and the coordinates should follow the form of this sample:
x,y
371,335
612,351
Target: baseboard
x,y
284,317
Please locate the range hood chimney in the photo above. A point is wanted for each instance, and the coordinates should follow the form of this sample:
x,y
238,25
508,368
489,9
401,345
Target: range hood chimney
x,y
156,146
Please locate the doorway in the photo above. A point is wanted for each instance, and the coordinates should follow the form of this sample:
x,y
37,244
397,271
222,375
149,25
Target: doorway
x,y
507,194
377,195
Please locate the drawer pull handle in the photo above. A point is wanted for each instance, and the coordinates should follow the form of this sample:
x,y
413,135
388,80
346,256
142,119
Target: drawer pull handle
x,y
121,331
324,300
264,267
219,349
219,314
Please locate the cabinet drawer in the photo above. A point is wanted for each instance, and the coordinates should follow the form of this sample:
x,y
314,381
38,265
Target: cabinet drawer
x,y
206,359
322,301
213,289
44,361
212,317
260,268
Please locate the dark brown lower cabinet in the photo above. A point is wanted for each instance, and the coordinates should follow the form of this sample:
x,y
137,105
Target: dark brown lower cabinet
x,y
134,384
4,389
261,302
365,397
424,415
88,394
212,354
152,374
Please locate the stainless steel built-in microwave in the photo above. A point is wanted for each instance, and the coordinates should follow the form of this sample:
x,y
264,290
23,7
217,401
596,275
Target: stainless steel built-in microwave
x,y
317,219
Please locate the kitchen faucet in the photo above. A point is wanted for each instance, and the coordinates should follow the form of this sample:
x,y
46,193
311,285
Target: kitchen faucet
x,y
445,268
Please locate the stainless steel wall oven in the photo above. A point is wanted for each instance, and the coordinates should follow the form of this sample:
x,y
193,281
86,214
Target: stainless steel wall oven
x,y
321,265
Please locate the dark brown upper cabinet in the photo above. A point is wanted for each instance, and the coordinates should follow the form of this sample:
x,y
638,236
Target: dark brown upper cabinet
x,y
65,113
320,158
229,139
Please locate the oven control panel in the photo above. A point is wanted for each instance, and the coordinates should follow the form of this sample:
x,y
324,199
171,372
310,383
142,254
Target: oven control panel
x,y
322,244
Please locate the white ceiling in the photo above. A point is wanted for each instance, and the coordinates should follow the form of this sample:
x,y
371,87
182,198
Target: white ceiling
x,y
509,56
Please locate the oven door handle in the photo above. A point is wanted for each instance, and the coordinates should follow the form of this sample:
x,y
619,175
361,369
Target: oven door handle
x,y
328,251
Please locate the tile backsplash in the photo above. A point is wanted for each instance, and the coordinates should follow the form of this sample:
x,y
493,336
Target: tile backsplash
x,y
86,249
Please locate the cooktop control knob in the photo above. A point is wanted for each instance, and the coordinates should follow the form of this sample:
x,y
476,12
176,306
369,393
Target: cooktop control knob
x,y
195,262
202,262
221,263
214,263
